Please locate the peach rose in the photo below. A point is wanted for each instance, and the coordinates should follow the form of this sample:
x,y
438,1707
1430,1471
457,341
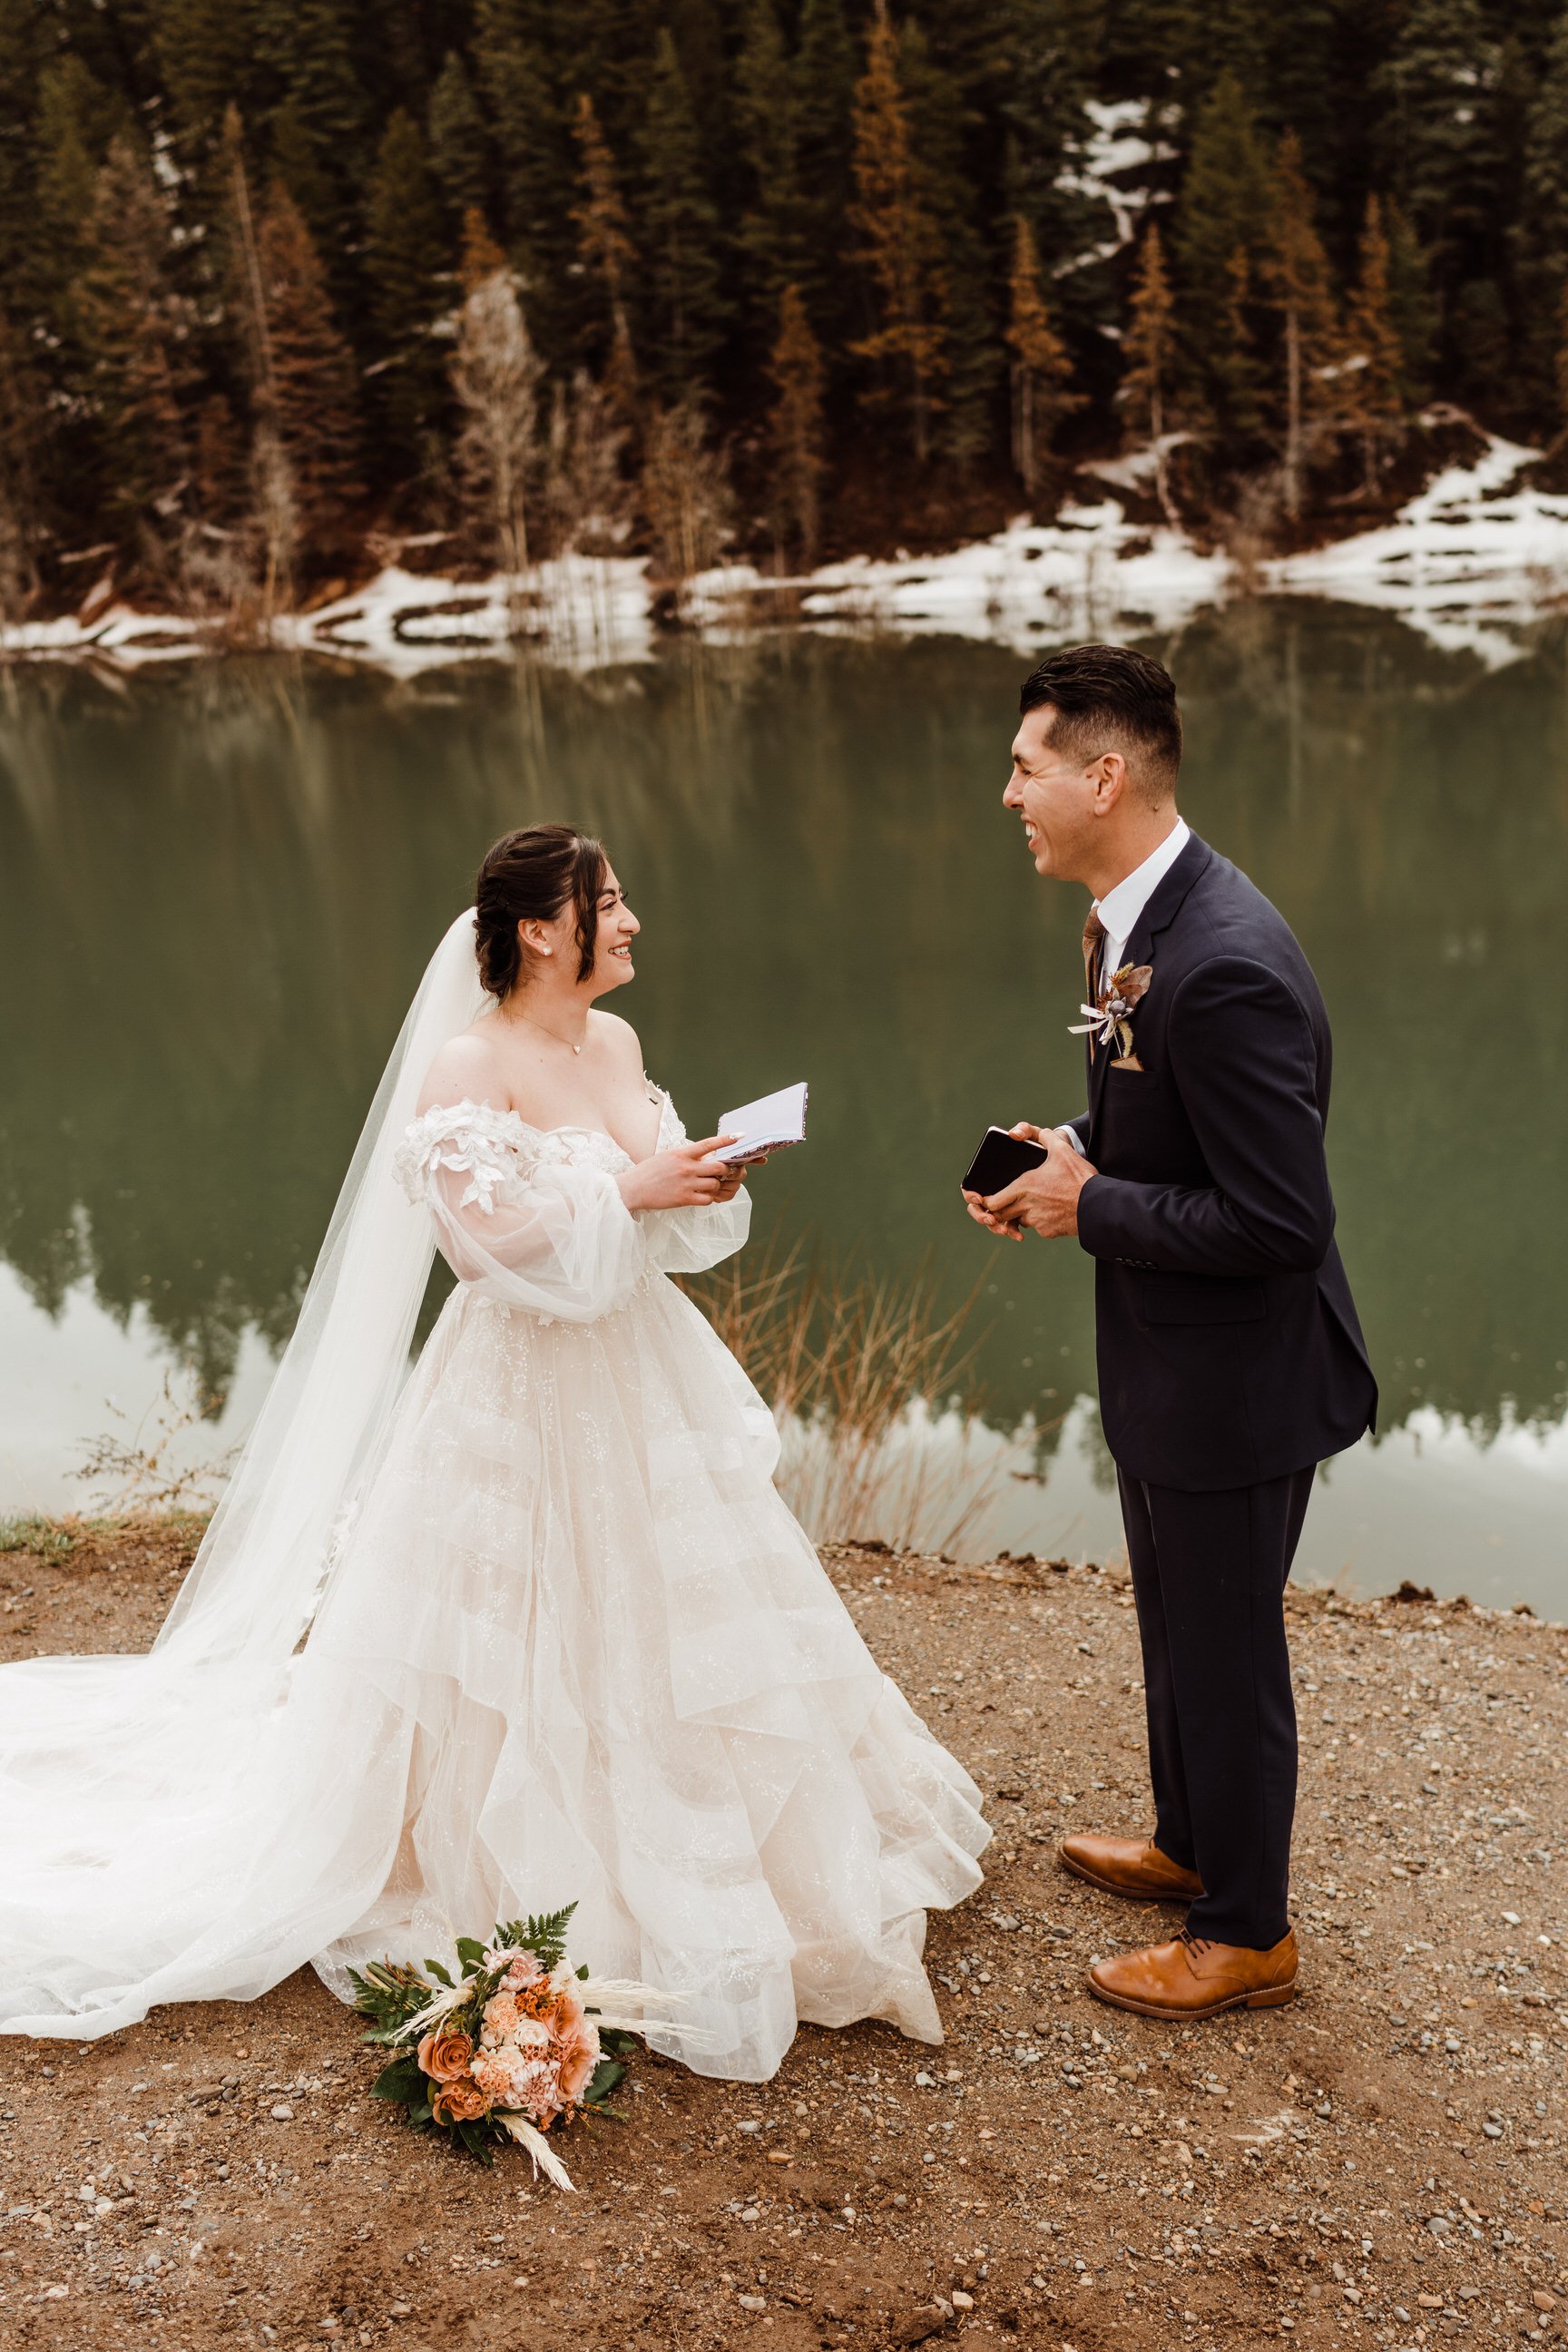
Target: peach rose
x,y
567,2012
444,2055
578,2054
460,2103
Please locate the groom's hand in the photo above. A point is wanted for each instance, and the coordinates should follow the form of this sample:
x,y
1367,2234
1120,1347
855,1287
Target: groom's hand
x,y
1045,1201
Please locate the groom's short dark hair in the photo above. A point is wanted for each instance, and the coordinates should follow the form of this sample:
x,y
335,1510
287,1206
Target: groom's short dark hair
x,y
1110,699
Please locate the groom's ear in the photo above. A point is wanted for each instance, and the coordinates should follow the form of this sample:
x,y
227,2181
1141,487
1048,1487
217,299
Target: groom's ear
x,y
1109,773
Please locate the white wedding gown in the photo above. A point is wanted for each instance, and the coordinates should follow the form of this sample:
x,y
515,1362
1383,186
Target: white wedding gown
x,y
571,1645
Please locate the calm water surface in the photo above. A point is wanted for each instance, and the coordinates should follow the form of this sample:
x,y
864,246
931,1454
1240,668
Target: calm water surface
x,y
218,888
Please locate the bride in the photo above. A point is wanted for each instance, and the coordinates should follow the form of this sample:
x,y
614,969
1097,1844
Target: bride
x,y
526,1624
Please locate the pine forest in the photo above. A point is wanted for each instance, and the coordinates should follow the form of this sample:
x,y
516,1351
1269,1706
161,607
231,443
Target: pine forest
x,y
287,287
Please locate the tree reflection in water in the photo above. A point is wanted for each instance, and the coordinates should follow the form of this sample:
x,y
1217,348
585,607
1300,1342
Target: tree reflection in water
x,y
218,886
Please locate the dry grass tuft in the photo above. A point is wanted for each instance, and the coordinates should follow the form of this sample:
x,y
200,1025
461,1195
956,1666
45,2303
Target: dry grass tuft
x,y
872,1386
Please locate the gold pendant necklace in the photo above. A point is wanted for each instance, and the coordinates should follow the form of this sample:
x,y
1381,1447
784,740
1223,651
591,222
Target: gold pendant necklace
x,y
549,1033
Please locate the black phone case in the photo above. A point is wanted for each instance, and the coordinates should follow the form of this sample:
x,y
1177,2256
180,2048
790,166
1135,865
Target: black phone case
x,y
1000,1161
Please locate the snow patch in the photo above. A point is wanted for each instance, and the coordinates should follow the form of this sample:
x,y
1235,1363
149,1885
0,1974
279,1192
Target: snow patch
x,y
1467,562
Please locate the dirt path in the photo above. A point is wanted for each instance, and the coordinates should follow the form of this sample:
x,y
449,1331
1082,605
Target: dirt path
x,y
1381,2163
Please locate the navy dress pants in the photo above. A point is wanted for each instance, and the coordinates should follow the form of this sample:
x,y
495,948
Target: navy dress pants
x,y
1209,1572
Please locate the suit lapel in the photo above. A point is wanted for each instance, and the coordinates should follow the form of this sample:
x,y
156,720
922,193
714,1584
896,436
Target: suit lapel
x,y
1163,906
1165,900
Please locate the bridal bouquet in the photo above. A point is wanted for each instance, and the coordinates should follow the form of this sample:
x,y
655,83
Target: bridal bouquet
x,y
518,2040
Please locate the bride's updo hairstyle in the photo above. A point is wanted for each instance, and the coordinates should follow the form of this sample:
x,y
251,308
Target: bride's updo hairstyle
x,y
531,876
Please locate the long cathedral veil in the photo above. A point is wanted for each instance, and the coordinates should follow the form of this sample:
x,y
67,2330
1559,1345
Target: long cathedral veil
x,y
253,1584
135,1791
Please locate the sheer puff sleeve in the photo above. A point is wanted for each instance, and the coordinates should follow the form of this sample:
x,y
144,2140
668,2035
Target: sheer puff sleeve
x,y
689,1241
520,1216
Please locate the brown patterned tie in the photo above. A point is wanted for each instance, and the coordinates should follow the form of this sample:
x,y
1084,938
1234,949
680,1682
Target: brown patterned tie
x,y
1094,935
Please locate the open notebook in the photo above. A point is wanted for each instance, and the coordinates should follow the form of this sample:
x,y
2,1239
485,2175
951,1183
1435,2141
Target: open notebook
x,y
766,1125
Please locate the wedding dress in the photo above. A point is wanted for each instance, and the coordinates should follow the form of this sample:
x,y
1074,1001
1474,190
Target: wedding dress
x,y
529,1624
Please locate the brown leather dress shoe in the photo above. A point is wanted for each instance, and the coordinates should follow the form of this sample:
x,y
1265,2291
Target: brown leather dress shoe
x,y
1132,1867
1193,1977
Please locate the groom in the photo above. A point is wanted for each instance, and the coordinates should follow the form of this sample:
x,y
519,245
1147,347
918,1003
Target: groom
x,y
1230,1358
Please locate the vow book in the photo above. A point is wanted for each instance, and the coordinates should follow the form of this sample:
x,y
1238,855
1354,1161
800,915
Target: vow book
x,y
765,1125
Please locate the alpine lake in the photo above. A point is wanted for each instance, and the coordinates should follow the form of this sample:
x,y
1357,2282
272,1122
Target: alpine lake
x,y
220,881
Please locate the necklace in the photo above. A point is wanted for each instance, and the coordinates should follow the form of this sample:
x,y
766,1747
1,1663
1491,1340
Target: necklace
x,y
547,1032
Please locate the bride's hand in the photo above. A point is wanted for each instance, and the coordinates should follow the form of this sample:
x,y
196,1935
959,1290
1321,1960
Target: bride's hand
x,y
685,1177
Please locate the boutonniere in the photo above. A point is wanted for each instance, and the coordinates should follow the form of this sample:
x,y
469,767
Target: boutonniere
x,y
1111,1014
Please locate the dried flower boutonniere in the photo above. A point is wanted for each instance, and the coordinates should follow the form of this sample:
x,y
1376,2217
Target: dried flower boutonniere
x,y
1111,1014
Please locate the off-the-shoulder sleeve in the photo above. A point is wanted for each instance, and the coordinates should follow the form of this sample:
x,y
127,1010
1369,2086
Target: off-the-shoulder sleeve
x,y
689,1241
550,1235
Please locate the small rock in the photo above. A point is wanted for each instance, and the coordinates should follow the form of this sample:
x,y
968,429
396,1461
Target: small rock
x,y
1004,1920
1510,1919
282,2113
748,2127
749,2212
1492,2131
752,2302
1440,2226
1543,2300
1430,2302
961,2302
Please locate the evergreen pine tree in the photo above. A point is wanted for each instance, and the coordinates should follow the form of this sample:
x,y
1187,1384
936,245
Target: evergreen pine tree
x,y
1220,215
23,438
75,121
1541,231
608,256
1373,406
679,237
457,135
1412,306
405,249
205,50
824,98
137,334
518,62
1041,367
1296,272
900,246
1446,152
482,255
1052,55
974,289
1149,349
28,42
311,378
320,116
771,225
795,425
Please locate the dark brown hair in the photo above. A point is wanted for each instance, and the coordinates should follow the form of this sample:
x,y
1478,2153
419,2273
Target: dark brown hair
x,y
529,876
1109,698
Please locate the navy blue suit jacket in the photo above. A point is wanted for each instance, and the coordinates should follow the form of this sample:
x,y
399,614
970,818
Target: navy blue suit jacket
x,y
1227,1341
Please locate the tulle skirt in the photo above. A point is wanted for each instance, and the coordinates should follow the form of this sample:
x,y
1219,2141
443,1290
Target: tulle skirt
x,y
573,1647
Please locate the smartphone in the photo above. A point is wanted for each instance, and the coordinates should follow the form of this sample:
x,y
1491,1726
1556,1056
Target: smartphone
x,y
1001,1159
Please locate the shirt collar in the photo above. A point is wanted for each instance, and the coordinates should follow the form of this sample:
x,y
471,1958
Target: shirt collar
x,y
1120,909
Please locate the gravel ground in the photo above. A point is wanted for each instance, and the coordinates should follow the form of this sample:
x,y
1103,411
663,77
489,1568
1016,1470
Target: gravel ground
x,y
1381,2163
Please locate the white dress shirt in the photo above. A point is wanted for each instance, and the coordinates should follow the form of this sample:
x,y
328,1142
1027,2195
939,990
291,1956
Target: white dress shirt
x,y
1120,909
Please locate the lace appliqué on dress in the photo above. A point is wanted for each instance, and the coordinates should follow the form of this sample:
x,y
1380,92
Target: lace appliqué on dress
x,y
495,1149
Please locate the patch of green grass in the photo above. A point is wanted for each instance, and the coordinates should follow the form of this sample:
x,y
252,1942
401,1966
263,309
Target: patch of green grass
x,y
30,1531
